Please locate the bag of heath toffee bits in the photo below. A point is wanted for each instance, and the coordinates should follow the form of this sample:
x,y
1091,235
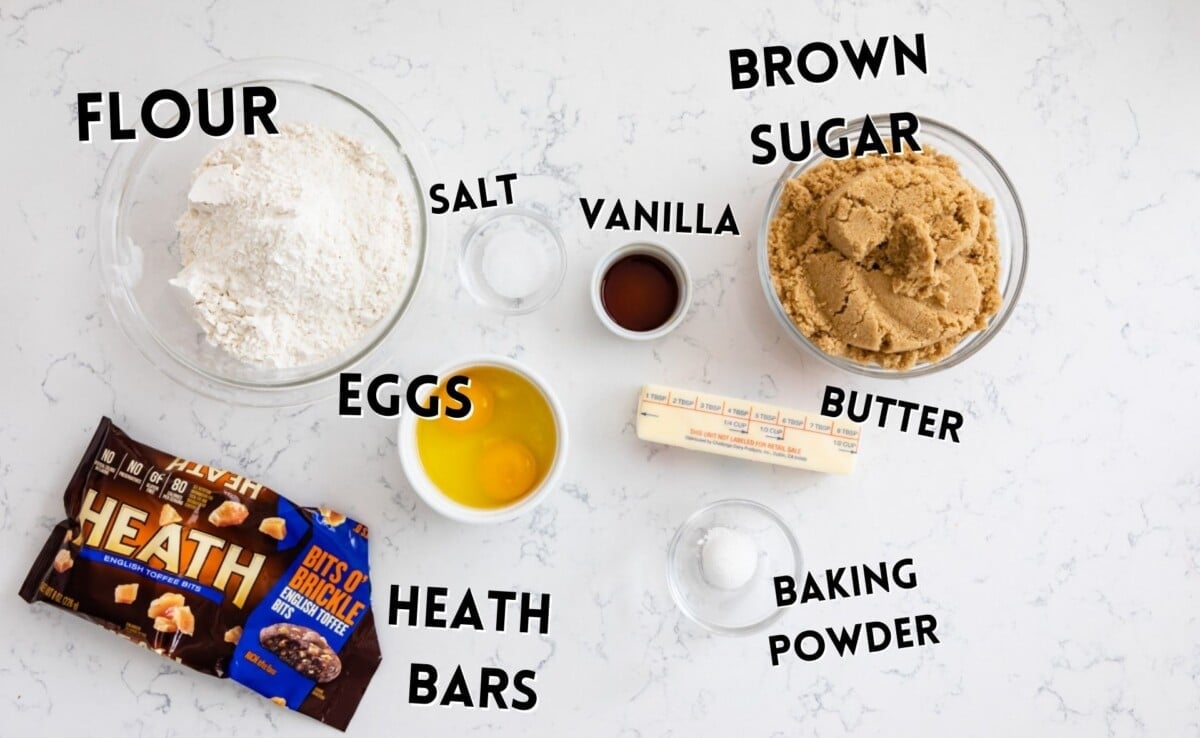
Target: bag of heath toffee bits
x,y
217,572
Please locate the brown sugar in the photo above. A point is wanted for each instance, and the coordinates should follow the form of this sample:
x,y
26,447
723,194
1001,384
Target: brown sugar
x,y
888,260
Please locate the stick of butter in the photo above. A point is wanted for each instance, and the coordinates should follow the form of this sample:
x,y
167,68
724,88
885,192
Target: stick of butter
x,y
746,430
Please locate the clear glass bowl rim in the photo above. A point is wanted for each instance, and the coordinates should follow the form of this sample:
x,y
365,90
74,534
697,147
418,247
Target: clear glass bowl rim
x,y
673,579
481,294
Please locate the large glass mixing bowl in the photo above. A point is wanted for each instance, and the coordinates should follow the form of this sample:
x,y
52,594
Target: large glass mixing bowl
x,y
145,192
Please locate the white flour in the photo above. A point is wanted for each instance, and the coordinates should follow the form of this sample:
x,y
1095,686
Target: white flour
x,y
293,245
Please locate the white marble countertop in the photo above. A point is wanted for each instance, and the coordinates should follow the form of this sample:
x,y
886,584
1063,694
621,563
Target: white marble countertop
x,y
1058,544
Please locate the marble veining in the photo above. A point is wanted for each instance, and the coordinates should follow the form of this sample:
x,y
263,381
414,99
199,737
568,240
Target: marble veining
x,y
1058,544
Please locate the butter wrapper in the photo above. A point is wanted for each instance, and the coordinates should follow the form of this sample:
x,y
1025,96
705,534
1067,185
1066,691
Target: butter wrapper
x,y
754,431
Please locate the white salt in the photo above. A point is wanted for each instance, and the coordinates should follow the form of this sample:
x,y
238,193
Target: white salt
x,y
514,263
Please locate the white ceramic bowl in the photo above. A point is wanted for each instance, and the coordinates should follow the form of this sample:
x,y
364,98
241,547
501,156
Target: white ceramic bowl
x,y
414,470
673,262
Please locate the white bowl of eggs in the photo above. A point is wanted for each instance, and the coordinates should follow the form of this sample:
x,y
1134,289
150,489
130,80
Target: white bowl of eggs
x,y
499,461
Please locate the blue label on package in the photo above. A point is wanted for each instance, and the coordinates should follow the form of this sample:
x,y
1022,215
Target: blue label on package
x,y
156,575
292,638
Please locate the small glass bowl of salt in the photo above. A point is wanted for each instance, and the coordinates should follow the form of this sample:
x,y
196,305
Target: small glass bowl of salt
x,y
513,262
722,563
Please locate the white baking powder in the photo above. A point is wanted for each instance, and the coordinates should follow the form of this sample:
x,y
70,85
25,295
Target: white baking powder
x,y
293,245
728,558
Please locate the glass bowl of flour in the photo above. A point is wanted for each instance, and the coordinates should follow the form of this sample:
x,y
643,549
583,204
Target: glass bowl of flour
x,y
256,268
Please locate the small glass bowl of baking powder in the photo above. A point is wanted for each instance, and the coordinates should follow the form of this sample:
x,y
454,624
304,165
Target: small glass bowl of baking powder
x,y
145,192
722,562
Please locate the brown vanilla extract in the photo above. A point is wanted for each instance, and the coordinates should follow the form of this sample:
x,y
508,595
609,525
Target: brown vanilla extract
x,y
640,292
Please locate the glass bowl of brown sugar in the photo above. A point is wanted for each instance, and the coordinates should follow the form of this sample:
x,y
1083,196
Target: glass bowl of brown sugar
x,y
883,285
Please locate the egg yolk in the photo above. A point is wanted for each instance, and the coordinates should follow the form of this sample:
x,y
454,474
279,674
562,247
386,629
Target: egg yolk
x,y
507,470
501,452
483,405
